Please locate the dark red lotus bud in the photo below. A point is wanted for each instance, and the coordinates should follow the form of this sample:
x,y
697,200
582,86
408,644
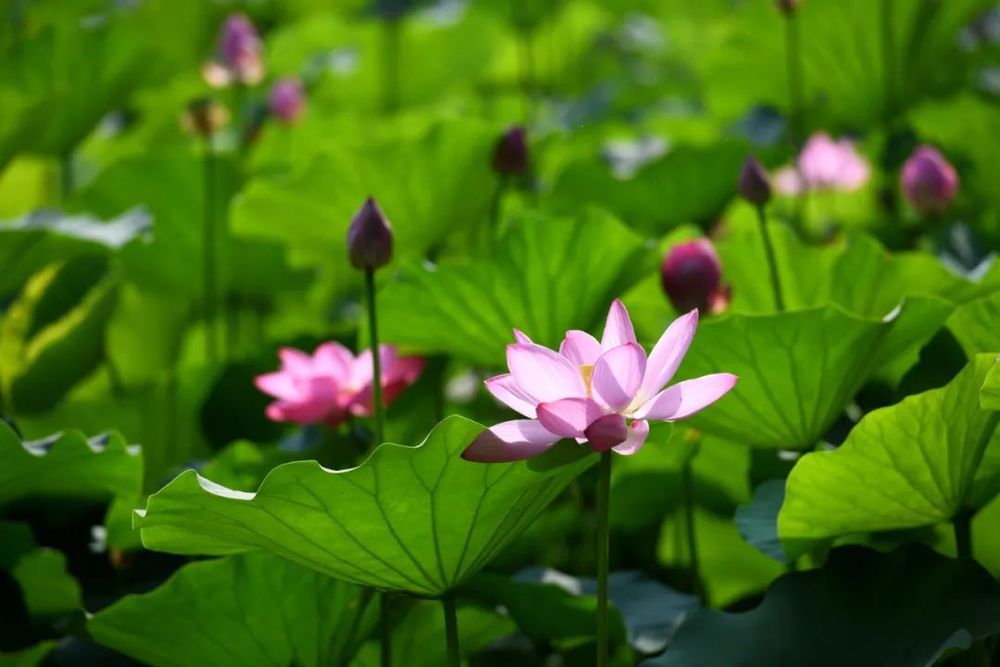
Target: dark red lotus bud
x,y
786,7
755,184
692,277
369,238
510,157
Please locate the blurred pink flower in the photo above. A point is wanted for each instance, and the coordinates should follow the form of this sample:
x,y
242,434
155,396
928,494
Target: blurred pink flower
x,y
929,181
287,100
824,164
238,55
691,276
599,392
332,385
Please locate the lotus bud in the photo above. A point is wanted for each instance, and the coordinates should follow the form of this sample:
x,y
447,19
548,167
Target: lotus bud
x,y
204,117
287,100
692,277
755,185
369,238
929,181
510,157
238,57
787,7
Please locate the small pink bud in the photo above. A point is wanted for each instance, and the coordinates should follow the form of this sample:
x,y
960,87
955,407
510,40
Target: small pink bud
x,y
238,55
510,157
929,181
287,100
755,185
369,238
692,277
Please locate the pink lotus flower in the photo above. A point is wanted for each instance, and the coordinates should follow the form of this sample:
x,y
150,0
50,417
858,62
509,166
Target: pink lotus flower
x,y
929,181
332,385
599,392
824,164
238,58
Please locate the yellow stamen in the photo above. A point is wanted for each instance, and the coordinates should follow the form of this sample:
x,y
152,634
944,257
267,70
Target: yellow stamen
x,y
586,372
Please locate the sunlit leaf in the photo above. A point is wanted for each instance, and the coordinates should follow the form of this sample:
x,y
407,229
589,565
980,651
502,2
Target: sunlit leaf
x,y
416,519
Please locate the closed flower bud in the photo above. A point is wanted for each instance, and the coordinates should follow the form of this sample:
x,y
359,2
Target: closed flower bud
x,y
692,277
369,238
238,58
510,157
929,181
786,7
204,117
287,100
755,185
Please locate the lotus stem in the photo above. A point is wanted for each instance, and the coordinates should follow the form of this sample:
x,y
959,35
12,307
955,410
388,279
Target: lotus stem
x,y
793,65
603,549
962,523
392,38
66,184
688,482
385,630
451,630
888,60
772,263
209,278
378,409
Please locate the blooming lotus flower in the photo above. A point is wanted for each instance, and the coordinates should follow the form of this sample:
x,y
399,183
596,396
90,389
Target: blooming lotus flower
x,y
692,277
332,385
287,100
599,392
825,164
238,58
929,181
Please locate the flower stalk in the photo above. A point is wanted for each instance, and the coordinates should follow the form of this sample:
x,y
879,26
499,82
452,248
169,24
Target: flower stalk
x,y
603,556
209,252
772,262
451,630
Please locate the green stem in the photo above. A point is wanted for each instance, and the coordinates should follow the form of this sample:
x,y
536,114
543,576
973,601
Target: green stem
x,y
65,177
451,630
385,630
378,409
793,65
209,279
391,48
365,597
603,549
772,262
962,523
688,482
888,60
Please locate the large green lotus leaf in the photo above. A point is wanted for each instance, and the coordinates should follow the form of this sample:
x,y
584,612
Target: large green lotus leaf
x,y
757,521
698,182
798,370
844,70
403,174
251,609
52,336
418,640
34,241
912,464
862,607
28,657
68,465
855,273
416,519
974,325
468,308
